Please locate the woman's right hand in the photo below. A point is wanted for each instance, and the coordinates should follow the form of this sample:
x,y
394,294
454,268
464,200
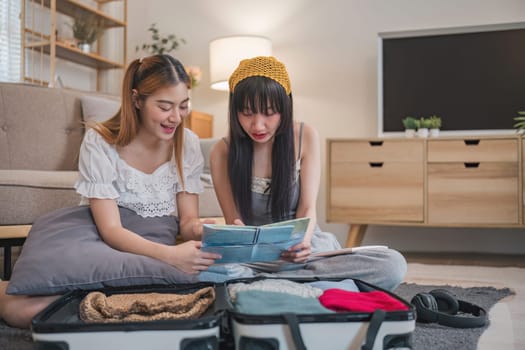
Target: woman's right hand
x,y
188,257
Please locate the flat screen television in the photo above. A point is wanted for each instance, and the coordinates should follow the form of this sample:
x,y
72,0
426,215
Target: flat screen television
x,y
471,77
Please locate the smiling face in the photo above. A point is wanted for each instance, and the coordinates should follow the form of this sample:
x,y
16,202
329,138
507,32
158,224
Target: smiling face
x,y
163,111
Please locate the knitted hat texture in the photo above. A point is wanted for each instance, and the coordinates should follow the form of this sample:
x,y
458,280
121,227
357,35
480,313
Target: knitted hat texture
x,y
263,66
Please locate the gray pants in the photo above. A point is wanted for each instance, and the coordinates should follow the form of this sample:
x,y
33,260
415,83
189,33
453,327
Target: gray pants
x,y
384,268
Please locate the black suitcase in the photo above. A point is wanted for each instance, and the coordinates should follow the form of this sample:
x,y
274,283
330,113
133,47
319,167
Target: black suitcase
x,y
59,326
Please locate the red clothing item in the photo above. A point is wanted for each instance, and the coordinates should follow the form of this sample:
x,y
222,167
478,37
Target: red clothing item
x,y
342,300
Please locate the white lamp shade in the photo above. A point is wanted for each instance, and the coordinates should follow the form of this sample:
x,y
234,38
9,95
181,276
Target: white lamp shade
x,y
226,53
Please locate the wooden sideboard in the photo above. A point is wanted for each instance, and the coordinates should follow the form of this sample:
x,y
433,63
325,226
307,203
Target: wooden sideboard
x,y
200,123
436,182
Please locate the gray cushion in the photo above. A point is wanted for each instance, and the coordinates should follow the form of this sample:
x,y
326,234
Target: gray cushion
x,y
41,128
27,194
206,145
98,108
64,252
208,203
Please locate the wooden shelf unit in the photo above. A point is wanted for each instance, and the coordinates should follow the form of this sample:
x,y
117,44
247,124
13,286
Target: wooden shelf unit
x,y
436,182
73,8
35,40
200,123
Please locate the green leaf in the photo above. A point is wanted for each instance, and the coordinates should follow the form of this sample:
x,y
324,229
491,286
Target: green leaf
x,y
161,43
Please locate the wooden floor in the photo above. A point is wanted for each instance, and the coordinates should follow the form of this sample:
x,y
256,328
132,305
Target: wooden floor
x,y
467,259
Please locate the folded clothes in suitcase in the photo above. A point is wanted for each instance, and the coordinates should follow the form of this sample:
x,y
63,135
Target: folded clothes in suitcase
x,y
153,317
353,315
308,313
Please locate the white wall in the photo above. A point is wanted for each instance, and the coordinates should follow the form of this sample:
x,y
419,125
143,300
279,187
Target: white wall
x,y
330,49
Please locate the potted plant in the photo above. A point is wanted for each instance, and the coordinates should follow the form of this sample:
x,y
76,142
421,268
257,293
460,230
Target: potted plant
x,y
520,122
86,30
434,123
410,124
160,44
424,126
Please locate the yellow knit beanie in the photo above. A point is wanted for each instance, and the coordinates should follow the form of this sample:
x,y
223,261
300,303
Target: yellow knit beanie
x,y
264,66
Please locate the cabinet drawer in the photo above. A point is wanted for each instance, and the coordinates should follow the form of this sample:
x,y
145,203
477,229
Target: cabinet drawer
x,y
486,194
473,150
376,151
363,192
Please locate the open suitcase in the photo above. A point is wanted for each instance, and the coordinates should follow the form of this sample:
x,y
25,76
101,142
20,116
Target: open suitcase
x,y
59,326
341,330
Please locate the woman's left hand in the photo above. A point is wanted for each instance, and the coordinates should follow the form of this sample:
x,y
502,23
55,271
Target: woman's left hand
x,y
299,253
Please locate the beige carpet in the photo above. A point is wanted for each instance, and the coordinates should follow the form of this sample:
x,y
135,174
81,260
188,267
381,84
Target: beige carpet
x,y
507,317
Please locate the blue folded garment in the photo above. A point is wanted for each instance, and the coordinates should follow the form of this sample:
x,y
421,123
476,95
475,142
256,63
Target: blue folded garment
x,y
347,284
256,302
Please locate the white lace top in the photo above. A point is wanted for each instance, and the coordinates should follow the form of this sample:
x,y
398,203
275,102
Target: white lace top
x,y
103,174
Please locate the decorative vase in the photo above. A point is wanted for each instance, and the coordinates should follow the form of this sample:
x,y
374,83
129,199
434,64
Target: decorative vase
x,y
410,133
422,132
84,47
434,132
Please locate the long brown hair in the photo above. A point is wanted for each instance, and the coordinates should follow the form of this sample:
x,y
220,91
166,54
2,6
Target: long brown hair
x,y
145,75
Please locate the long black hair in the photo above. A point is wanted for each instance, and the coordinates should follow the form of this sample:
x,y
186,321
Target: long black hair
x,y
258,94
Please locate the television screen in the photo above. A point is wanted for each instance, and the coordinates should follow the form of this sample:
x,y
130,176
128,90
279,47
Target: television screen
x,y
472,77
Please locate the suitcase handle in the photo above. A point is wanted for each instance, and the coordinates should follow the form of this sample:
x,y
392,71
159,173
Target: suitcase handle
x,y
371,334
293,323
373,328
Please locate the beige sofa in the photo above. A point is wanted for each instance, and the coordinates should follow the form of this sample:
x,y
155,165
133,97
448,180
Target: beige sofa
x,y
40,134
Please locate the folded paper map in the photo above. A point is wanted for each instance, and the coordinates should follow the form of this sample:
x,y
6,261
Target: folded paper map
x,y
242,244
282,265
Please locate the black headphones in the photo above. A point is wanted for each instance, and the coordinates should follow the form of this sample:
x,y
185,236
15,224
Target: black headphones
x,y
440,306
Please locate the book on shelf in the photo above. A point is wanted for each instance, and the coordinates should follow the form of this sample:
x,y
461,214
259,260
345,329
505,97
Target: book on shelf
x,y
245,244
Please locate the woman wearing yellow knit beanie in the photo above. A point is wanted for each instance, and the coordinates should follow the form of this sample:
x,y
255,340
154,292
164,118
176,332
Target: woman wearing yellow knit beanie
x,y
268,170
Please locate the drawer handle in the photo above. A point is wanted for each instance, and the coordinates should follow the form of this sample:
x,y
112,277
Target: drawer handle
x,y
472,165
376,164
471,142
375,143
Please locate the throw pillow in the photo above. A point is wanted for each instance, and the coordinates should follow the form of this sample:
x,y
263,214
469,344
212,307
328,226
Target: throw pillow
x,y
65,252
206,145
98,108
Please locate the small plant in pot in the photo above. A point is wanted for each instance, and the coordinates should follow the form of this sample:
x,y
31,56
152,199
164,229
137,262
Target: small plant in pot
x,y
520,122
160,44
434,123
424,126
86,30
410,124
